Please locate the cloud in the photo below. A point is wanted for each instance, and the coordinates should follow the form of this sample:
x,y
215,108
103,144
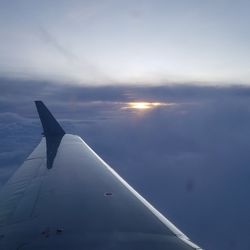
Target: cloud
x,y
190,160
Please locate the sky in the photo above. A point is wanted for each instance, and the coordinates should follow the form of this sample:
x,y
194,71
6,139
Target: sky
x,y
126,42
188,151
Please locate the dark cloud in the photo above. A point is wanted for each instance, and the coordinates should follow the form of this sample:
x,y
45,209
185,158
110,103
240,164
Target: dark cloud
x,y
191,160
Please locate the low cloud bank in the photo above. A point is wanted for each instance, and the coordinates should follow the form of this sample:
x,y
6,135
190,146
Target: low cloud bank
x,y
191,160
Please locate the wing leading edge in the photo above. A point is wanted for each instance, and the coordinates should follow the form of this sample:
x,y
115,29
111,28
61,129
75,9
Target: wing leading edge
x,y
65,196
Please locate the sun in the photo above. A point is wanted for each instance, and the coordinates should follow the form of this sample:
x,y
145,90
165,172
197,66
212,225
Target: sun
x,y
145,105
139,105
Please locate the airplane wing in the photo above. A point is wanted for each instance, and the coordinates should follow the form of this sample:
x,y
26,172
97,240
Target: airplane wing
x,y
65,196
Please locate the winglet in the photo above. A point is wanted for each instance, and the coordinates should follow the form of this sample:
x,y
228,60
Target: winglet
x,y
50,125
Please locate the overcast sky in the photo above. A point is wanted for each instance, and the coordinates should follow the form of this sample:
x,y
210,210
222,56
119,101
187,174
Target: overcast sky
x,y
115,41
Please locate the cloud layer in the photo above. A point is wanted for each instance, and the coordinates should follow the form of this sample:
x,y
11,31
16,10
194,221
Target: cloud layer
x,y
191,160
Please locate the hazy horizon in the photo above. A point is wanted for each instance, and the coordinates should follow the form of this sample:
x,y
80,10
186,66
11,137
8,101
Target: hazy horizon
x,y
133,42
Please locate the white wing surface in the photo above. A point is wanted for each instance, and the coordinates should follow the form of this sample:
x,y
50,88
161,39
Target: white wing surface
x,y
65,196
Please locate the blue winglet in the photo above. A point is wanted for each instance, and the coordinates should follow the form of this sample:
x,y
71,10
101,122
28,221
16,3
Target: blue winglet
x,y
50,125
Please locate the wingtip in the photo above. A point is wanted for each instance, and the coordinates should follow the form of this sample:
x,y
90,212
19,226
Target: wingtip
x,y
37,101
51,127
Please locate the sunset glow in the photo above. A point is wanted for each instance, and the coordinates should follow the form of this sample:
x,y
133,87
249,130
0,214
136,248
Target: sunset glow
x,y
145,105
